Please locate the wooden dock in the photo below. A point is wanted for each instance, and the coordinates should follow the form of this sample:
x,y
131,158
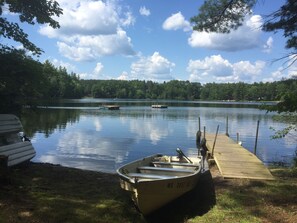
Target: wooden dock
x,y
235,161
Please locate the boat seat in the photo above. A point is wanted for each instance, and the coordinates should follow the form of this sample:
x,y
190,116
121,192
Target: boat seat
x,y
175,164
150,169
148,176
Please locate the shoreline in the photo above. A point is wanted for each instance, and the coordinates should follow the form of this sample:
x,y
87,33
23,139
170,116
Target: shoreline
x,y
43,192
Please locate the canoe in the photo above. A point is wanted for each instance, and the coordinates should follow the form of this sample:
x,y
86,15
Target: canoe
x,y
156,180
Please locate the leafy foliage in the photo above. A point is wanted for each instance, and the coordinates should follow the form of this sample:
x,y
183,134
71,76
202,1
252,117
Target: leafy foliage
x,y
29,11
225,15
23,80
284,19
20,78
222,15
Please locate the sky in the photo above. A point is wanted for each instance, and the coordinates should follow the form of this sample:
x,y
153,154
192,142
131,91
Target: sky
x,y
154,40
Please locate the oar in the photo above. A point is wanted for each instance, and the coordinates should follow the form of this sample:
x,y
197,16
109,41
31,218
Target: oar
x,y
178,150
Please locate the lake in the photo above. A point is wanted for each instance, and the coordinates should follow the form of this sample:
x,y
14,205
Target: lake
x,y
80,134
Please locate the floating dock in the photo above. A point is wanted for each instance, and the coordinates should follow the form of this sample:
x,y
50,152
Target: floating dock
x,y
159,106
235,161
112,107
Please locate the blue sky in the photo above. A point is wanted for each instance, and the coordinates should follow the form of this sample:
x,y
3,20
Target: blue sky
x,y
154,40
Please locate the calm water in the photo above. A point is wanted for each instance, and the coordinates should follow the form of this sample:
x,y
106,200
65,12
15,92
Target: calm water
x,y
77,133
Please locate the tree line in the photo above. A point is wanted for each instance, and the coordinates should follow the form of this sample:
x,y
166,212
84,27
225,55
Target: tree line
x,y
23,80
185,90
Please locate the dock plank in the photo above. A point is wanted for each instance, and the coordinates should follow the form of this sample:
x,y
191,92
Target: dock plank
x,y
235,161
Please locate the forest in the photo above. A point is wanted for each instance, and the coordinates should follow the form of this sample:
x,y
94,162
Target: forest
x,y
24,80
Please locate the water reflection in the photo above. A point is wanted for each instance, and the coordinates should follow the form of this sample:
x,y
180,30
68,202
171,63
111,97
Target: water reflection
x,y
48,120
103,140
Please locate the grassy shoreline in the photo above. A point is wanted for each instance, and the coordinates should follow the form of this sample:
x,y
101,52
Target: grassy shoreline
x,y
52,193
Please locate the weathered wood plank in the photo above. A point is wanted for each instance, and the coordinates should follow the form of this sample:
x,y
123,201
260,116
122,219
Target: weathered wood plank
x,y
234,161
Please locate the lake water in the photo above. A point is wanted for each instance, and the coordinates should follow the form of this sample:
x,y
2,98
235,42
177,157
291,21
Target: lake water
x,y
77,133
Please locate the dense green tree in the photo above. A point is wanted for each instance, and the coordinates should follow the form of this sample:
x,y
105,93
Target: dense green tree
x,y
31,12
285,19
222,15
21,79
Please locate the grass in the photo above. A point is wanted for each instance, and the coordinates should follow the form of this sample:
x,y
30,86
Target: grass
x,y
51,193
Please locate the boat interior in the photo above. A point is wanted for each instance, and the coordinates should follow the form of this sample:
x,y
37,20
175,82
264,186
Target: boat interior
x,y
162,167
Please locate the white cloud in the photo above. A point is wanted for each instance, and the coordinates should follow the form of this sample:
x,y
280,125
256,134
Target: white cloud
x,y
144,11
90,29
177,21
155,67
128,19
69,67
268,45
245,37
248,71
88,48
98,69
87,18
216,68
95,75
75,52
123,76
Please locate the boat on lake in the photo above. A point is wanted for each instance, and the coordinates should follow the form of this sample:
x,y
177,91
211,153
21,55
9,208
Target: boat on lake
x,y
111,107
159,106
156,180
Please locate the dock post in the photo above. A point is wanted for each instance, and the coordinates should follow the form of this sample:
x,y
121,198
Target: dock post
x,y
237,137
256,142
214,142
227,120
203,132
198,134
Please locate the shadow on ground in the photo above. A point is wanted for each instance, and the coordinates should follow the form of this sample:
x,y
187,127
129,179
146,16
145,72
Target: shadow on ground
x,y
194,203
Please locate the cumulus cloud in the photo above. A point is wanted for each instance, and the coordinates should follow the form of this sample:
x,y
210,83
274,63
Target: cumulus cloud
x,y
236,40
268,45
98,69
144,11
88,48
128,19
95,74
123,76
155,67
216,68
177,21
247,68
90,29
69,67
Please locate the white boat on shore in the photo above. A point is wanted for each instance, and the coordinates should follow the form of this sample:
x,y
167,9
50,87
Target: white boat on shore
x,y
157,180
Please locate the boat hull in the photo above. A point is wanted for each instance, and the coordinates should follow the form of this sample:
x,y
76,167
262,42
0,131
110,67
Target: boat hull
x,y
150,194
